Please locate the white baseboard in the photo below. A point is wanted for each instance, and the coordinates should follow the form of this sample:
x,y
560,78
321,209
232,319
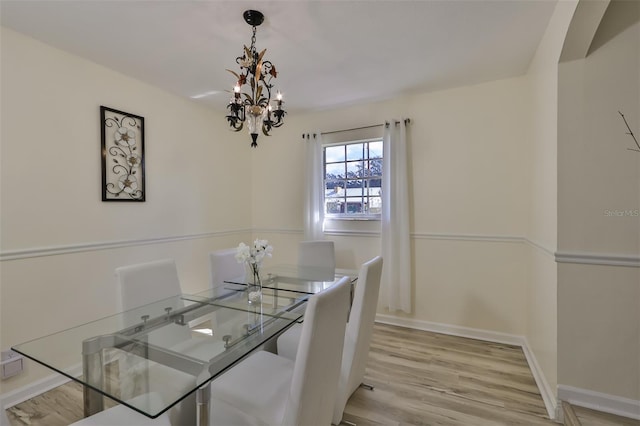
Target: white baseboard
x,y
546,392
606,403
9,399
548,396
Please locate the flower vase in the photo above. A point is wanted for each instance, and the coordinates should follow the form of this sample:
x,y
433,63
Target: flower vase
x,y
254,291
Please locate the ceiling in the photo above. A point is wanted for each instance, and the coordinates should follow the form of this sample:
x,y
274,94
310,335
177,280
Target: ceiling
x,y
327,53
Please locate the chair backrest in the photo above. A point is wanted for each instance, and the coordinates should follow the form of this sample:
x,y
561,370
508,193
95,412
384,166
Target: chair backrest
x,y
314,381
223,266
145,283
319,257
358,333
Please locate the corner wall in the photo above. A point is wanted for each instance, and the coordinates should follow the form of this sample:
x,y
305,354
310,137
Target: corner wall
x,y
598,223
541,310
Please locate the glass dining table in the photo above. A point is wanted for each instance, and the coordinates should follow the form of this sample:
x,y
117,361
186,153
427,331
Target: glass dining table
x,y
173,348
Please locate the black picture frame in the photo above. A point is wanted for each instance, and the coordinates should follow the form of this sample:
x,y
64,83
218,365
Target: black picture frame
x,y
122,139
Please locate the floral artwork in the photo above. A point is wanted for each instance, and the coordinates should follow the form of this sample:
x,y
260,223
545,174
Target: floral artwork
x,y
122,156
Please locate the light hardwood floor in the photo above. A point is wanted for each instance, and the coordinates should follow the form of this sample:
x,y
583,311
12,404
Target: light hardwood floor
x,y
420,378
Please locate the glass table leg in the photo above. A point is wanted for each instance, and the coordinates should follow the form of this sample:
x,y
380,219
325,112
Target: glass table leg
x,y
203,402
92,370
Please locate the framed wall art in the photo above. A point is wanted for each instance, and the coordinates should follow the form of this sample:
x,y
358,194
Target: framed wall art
x,y
122,155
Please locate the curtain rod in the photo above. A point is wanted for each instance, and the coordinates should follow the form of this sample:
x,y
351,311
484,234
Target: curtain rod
x,y
386,123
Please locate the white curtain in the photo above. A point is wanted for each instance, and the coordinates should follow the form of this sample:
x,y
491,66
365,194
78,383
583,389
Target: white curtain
x,y
314,191
396,251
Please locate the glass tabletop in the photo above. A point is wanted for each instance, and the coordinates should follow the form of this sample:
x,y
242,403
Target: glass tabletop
x,y
152,357
297,278
169,348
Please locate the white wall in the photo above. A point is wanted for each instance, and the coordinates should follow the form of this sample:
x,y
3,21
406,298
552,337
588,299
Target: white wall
x,y
59,242
469,198
599,302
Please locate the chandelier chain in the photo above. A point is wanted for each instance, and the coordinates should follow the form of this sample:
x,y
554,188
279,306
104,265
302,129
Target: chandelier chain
x,y
253,40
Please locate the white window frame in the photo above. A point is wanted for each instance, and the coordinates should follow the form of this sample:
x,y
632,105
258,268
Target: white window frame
x,y
347,216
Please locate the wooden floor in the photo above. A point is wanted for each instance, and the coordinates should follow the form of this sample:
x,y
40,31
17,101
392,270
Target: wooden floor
x,y
420,378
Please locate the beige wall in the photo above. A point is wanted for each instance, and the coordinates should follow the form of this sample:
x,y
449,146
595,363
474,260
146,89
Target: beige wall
x,y
542,227
599,304
469,198
50,194
599,329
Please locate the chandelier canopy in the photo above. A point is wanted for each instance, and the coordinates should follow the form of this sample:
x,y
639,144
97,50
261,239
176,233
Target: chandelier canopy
x,y
251,100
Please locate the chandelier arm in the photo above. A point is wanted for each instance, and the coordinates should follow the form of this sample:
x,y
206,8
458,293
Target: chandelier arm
x,y
268,86
235,124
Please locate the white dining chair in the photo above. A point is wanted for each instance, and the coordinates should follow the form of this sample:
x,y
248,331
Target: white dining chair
x,y
142,284
357,336
121,415
267,389
148,282
318,257
224,266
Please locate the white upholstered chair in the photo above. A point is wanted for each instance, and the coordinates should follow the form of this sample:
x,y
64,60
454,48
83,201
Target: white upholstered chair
x,y
223,266
139,285
318,257
124,416
266,389
357,336
148,282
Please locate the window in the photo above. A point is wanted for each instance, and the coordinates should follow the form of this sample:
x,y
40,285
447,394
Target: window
x,y
353,179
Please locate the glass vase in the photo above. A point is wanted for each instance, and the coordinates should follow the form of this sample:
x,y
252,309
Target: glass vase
x,y
254,289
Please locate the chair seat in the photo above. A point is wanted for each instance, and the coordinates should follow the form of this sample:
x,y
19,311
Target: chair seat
x,y
200,348
257,388
121,415
139,375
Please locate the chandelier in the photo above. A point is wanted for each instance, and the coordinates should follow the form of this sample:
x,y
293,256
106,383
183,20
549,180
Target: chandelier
x,y
251,100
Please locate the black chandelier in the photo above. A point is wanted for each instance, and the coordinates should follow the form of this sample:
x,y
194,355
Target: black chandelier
x,y
254,104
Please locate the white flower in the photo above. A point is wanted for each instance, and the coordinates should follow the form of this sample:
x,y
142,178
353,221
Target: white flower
x,y
125,136
134,160
243,253
253,255
128,184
